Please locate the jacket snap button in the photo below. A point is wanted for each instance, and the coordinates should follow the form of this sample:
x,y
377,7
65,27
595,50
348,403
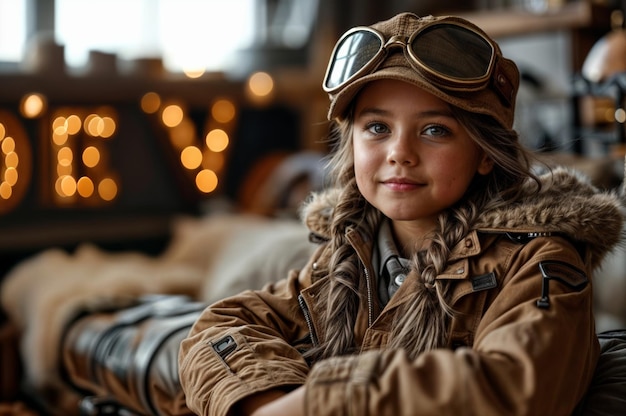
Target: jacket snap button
x,y
315,266
460,271
468,243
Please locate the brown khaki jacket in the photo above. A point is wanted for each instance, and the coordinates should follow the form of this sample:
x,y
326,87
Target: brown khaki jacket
x,y
522,338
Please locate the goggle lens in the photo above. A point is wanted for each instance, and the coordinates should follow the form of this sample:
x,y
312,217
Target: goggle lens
x,y
352,54
453,53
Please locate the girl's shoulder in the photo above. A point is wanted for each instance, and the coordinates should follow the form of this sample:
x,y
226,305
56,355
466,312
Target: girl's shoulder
x,y
567,205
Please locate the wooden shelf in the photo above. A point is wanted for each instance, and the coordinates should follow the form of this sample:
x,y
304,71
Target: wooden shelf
x,y
515,22
40,234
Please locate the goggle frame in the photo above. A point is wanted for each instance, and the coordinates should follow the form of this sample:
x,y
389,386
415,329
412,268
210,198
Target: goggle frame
x,y
438,78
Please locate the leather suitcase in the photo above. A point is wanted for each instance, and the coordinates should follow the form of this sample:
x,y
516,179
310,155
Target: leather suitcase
x,y
126,362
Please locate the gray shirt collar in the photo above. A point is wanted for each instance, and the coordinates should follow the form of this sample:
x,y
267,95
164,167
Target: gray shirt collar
x,y
388,281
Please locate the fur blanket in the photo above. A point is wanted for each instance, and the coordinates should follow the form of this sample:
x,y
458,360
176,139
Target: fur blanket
x,y
207,259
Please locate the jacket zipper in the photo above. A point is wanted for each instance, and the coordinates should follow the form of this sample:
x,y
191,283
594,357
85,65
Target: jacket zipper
x,y
370,308
307,318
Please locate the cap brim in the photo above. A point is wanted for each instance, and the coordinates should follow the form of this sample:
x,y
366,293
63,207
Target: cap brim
x,y
471,100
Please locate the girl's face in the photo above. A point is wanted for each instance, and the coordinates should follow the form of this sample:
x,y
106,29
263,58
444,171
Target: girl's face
x,y
412,158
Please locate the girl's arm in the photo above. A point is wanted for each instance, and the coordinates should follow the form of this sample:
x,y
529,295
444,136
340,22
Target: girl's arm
x,y
243,346
274,403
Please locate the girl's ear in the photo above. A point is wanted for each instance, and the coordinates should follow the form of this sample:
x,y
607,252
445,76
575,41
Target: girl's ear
x,y
486,165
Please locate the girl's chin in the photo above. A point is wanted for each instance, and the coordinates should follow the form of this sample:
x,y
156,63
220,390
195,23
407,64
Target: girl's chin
x,y
409,216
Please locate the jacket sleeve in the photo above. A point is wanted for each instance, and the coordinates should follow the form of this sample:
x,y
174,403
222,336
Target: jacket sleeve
x,y
243,345
525,360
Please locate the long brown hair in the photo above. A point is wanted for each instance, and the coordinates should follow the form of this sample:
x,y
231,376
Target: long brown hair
x,y
424,322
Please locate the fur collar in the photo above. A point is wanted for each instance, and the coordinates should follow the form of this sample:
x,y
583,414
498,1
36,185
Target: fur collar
x,y
568,204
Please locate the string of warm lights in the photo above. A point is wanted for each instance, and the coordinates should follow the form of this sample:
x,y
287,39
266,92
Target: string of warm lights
x,y
15,162
10,163
80,132
76,142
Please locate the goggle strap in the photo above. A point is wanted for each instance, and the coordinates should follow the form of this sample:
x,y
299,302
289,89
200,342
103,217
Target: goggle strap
x,y
503,85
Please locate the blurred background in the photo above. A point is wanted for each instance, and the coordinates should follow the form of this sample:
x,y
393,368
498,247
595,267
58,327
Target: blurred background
x,y
127,126
116,115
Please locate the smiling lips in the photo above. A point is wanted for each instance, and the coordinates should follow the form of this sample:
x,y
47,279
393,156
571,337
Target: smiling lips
x,y
401,184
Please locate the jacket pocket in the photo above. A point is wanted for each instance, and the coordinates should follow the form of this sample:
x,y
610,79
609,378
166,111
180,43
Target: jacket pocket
x,y
469,306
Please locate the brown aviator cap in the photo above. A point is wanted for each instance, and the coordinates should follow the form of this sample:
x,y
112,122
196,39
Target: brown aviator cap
x,y
496,98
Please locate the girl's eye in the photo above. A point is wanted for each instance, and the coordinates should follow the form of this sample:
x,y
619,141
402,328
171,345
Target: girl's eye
x,y
377,128
436,130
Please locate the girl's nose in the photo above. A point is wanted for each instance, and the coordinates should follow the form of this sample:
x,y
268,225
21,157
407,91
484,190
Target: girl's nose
x,y
401,151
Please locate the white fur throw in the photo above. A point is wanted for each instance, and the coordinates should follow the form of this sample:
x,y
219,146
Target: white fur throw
x,y
207,258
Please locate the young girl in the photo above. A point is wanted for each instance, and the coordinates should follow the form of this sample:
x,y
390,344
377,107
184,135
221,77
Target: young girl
x,y
450,279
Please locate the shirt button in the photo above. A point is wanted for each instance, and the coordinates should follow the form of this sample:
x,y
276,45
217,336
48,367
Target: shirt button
x,y
399,279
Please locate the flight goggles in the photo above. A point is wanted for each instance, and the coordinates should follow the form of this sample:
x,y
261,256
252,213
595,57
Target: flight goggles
x,y
449,53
